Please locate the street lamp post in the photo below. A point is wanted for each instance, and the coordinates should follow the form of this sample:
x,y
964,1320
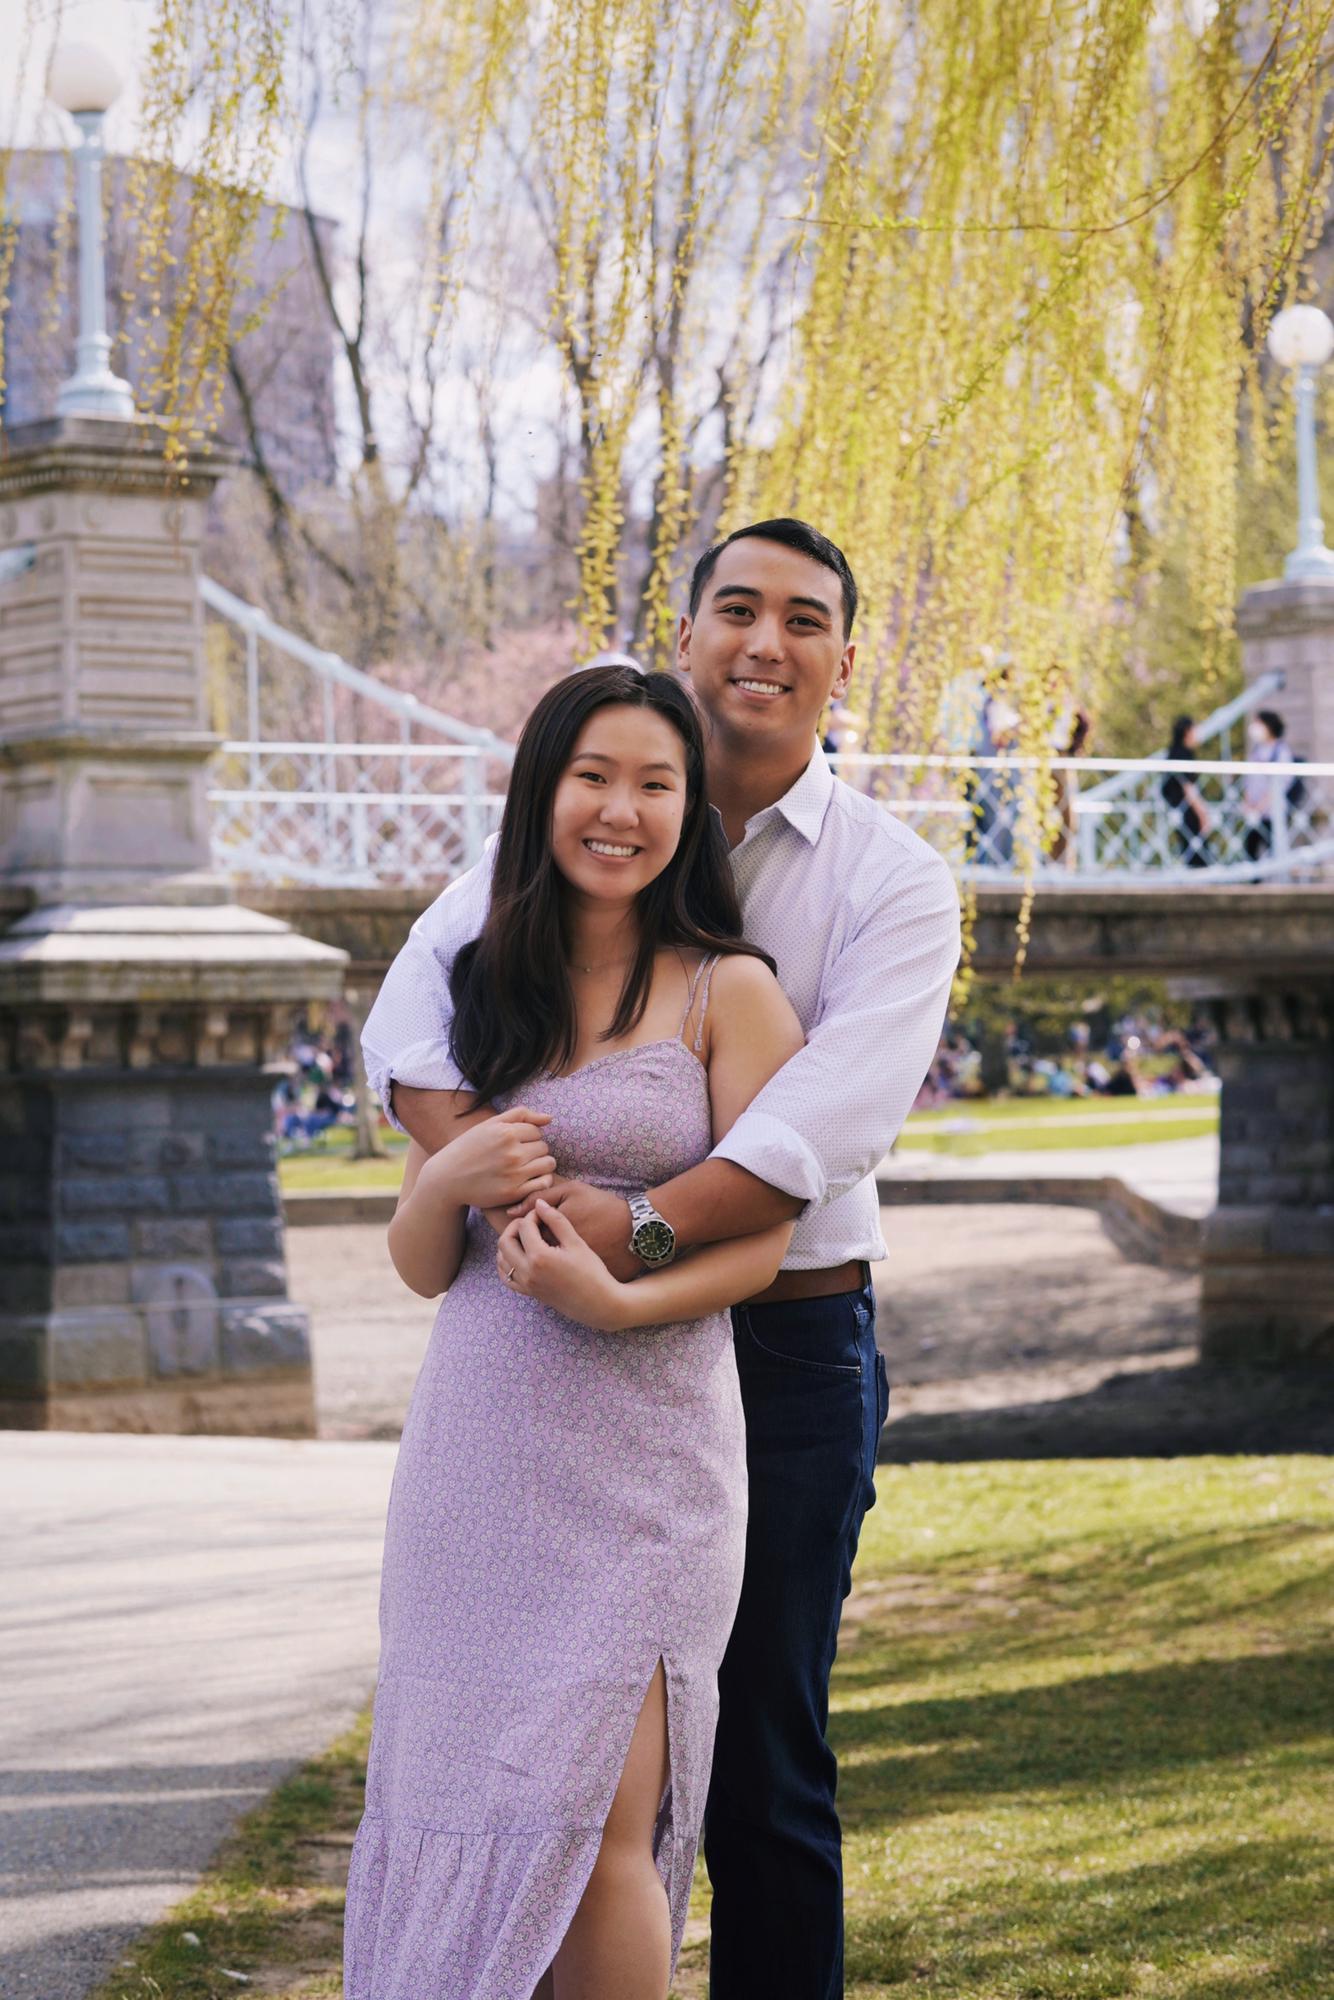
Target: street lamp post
x,y
84,83
1303,338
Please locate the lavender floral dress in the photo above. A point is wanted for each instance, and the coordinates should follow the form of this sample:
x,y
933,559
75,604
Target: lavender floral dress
x,y
568,1509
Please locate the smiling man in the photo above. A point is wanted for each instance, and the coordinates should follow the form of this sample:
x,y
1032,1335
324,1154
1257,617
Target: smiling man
x,y
862,920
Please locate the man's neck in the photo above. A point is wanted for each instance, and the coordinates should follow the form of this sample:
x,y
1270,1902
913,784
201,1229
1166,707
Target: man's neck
x,y
742,784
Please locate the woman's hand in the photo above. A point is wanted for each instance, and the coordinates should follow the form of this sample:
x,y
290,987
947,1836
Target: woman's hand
x,y
564,1274
495,1163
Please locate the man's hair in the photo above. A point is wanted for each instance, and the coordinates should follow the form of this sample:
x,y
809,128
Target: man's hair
x,y
792,534
1272,721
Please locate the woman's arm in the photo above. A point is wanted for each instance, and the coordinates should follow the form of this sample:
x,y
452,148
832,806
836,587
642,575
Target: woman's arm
x,y
543,1256
751,1030
490,1161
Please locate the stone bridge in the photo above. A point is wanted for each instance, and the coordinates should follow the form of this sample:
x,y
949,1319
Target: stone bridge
x,y
1261,958
145,998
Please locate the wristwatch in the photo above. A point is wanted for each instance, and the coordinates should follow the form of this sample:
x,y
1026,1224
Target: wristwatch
x,y
652,1237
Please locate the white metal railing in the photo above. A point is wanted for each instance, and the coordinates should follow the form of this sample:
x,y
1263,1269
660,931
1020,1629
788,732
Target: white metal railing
x,y
1213,733
332,671
1162,823
345,813
413,811
364,814
352,815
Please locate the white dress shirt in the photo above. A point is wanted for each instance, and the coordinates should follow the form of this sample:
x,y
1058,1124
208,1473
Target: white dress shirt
x,y
861,918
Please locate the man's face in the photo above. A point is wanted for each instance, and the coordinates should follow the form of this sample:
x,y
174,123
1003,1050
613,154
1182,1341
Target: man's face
x,y
765,652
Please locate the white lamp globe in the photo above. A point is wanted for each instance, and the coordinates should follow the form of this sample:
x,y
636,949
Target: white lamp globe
x,y
1301,337
83,79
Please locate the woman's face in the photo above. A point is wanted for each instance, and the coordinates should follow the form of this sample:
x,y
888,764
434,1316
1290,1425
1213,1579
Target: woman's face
x,y
620,802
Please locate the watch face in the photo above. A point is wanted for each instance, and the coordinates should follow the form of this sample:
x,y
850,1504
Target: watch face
x,y
653,1241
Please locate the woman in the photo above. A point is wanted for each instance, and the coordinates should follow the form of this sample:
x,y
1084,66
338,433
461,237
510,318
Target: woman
x,y
565,1537
1263,798
1181,796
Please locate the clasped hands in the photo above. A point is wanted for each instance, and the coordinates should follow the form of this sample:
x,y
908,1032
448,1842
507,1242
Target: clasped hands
x,y
560,1241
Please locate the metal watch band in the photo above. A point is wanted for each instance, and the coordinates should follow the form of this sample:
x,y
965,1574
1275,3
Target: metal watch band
x,y
643,1212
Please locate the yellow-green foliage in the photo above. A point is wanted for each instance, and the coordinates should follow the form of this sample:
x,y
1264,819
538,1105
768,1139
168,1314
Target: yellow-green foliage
x,y
1019,261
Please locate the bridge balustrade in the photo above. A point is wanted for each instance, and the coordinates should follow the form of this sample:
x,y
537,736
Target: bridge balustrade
x,y
353,814
368,814
1103,819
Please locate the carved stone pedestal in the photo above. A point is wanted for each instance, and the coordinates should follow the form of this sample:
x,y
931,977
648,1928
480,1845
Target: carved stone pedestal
x,y
143,1016
143,1284
1268,1257
1287,629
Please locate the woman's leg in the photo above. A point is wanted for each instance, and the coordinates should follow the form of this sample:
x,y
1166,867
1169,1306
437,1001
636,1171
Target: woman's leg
x,y
544,1989
620,1939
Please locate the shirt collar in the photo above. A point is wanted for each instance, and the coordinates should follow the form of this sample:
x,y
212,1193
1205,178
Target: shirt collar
x,y
804,804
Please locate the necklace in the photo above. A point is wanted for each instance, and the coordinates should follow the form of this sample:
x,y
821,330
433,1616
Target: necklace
x,y
609,966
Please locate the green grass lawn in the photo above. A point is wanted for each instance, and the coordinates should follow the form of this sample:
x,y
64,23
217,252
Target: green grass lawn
x,y
1006,1110
1085,1716
1027,1124
1039,1125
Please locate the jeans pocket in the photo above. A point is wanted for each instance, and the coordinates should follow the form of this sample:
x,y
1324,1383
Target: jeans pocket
x,y
819,1336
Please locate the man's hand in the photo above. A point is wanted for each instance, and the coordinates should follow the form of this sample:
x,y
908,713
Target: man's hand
x,y
601,1218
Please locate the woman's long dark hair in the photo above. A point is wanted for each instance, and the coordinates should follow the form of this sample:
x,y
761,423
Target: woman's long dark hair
x,y
1178,749
514,1012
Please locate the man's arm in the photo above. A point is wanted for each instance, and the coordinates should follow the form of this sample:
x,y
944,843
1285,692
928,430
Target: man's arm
x,y
405,1042
830,1115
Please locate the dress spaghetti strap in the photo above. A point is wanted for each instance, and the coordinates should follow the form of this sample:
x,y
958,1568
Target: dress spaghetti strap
x,y
700,984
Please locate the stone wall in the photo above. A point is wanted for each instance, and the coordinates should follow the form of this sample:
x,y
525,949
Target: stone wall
x,y
143,1281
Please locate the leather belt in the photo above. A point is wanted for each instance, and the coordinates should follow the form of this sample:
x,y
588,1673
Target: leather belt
x,y
824,1284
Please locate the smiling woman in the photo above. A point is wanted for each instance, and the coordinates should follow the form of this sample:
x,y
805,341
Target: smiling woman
x,y
607,833
565,1539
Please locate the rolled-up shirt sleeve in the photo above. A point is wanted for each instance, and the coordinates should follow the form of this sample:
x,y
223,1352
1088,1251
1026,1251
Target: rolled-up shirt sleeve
x,y
406,1036
830,1115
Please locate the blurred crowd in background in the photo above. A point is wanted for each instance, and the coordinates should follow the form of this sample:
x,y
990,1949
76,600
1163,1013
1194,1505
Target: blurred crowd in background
x,y
1091,1053
318,1090
1137,1055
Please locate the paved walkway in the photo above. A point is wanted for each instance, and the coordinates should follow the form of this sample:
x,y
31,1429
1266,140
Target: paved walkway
x,y
1181,1174
185,1618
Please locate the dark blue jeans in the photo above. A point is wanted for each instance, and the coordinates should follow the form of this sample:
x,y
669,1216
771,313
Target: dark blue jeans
x,y
815,1396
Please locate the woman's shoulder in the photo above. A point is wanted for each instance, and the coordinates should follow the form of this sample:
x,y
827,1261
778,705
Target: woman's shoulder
x,y
739,975
747,999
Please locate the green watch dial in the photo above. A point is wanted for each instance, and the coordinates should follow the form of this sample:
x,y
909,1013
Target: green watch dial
x,y
653,1241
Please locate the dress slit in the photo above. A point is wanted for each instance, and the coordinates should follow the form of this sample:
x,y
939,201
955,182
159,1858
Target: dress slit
x,y
664,1841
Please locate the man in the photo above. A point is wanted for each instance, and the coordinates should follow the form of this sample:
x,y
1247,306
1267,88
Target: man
x,y
862,919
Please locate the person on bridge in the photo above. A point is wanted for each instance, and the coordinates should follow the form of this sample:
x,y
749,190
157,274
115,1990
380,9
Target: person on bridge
x,y
1190,816
1263,797
862,920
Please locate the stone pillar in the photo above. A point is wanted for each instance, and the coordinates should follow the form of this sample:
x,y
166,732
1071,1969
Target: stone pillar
x,y
1288,628
1267,1290
143,1016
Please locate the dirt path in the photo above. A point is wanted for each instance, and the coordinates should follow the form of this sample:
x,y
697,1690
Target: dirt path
x,y
1010,1331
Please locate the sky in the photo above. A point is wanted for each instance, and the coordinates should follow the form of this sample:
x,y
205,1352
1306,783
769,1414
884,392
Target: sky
x,y
121,29
118,27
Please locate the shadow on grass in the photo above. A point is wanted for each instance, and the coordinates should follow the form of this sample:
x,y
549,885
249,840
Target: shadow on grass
x,y
902,1760
1108,1932
1060,1600
1160,1413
